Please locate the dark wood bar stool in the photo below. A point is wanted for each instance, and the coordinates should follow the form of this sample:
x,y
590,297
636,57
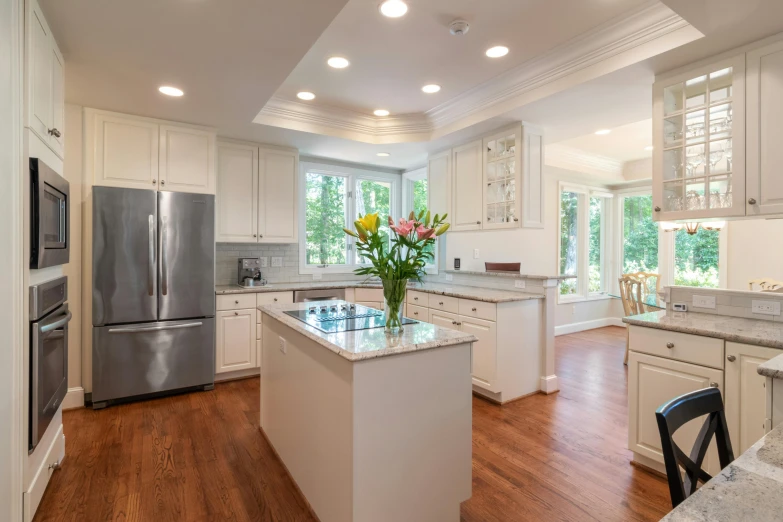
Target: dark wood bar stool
x,y
671,417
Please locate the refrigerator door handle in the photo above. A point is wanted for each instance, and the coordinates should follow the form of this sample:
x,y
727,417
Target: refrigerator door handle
x,y
155,328
164,268
151,273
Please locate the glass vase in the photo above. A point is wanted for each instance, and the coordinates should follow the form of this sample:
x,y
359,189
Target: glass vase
x,y
393,303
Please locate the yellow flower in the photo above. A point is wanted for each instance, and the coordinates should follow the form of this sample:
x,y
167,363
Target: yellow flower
x,y
370,223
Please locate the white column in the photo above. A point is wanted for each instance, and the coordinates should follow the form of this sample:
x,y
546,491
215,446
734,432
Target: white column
x,y
548,378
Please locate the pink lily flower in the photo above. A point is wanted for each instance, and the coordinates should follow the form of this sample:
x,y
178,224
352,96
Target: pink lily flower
x,y
404,228
425,233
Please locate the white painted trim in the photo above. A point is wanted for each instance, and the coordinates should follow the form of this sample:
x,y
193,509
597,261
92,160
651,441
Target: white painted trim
x,y
636,35
570,158
588,325
74,398
239,374
549,384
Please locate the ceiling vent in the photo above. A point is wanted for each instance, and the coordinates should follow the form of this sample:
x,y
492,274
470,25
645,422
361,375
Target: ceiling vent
x,y
459,27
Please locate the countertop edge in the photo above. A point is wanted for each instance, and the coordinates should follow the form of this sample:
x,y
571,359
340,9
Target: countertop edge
x,y
772,368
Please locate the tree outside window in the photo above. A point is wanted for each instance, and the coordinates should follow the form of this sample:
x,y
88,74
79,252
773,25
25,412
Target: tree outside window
x,y
569,241
325,219
696,258
640,235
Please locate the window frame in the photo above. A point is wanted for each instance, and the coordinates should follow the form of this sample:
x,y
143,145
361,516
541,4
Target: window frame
x,y
587,192
352,175
408,179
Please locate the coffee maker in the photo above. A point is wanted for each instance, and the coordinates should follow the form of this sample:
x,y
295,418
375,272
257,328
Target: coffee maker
x,y
250,272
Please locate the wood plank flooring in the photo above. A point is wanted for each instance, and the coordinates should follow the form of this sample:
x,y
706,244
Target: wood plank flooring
x,y
200,456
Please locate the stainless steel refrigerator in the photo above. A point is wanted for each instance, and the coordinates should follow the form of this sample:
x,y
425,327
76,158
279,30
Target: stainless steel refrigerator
x,y
153,301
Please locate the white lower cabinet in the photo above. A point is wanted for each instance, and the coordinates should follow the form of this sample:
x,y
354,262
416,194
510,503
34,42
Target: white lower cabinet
x,y
745,398
235,345
484,350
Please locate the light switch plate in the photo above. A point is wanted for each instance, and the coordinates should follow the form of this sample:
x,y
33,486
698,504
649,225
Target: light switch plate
x,y
704,301
264,262
283,345
449,277
519,284
765,307
277,261
475,253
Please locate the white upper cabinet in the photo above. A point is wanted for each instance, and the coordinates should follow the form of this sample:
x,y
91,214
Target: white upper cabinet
x,y
277,200
466,210
45,81
699,142
439,183
765,130
237,187
187,159
133,152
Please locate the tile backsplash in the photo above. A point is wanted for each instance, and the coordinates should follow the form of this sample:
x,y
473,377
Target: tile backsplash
x,y
732,303
226,255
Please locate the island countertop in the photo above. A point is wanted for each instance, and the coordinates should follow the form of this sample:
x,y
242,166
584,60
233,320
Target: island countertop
x,y
359,345
735,329
489,295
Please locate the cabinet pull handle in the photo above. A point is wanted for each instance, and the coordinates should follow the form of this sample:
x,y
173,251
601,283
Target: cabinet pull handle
x,y
657,209
415,313
275,299
473,309
731,358
713,385
154,181
236,302
669,345
752,201
163,182
478,222
516,219
55,133
54,466
453,322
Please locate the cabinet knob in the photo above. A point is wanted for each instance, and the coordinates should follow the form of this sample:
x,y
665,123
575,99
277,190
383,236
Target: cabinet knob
x,y
713,385
415,313
275,299
254,235
453,322
731,358
752,201
415,298
669,345
440,303
236,313
55,133
657,209
478,222
163,182
236,302
54,466
154,181
473,309
260,235
516,219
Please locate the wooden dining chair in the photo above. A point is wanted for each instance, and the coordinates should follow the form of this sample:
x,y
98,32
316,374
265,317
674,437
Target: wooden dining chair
x,y
765,285
631,296
651,284
671,417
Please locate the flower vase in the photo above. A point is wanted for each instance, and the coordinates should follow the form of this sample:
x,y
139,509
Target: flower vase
x,y
393,303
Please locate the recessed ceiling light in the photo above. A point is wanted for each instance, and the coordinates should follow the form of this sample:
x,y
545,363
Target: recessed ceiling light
x,y
497,51
431,89
338,62
383,154
648,147
170,91
304,95
393,8
603,132
381,112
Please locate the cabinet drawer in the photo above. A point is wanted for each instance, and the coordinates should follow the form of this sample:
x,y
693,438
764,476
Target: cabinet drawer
x,y
265,298
417,298
445,303
368,295
478,309
418,312
235,301
696,349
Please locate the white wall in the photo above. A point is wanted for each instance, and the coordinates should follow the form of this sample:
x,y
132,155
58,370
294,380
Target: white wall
x,y
754,249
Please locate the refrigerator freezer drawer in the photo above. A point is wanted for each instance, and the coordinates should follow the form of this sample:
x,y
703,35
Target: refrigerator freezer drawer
x,y
137,359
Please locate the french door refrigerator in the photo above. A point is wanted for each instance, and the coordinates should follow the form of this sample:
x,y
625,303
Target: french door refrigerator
x,y
153,301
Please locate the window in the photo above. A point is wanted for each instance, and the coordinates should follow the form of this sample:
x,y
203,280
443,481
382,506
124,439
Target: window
x,y
696,258
415,198
332,198
584,217
640,235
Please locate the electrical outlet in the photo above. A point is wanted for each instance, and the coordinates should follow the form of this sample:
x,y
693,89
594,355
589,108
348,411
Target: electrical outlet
x,y
283,345
519,284
449,277
317,277
264,262
277,261
766,307
679,307
475,253
704,301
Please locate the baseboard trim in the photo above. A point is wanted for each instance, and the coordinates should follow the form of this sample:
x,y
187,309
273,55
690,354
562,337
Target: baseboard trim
x,y
588,325
549,384
74,398
239,374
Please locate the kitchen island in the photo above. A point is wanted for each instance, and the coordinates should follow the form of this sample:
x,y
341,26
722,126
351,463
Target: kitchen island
x,y
370,427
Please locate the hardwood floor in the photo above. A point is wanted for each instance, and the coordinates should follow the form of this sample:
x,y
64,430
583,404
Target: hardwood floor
x,y
200,456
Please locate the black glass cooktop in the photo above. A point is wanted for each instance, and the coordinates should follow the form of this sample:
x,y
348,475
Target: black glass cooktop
x,y
342,317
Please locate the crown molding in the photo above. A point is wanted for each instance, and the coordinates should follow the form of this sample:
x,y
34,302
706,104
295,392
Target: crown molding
x,y
648,30
570,158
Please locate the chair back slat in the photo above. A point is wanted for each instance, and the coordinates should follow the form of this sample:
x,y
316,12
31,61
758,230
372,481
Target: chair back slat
x,y
631,295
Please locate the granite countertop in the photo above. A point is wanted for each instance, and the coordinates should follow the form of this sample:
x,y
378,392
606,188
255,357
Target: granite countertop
x,y
747,489
488,295
515,275
360,345
736,329
772,368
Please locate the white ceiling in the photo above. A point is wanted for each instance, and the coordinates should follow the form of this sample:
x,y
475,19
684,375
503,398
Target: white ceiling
x,y
391,59
624,143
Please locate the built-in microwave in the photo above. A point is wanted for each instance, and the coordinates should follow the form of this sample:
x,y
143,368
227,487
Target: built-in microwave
x,y
49,216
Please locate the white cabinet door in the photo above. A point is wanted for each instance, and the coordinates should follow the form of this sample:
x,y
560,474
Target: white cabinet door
x,y
277,201
652,382
466,186
237,189
444,319
187,160
484,350
533,191
58,101
746,394
39,73
125,150
765,131
236,340
439,183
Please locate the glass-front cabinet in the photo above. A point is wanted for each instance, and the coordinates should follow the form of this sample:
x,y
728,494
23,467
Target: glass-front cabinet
x,y
699,142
